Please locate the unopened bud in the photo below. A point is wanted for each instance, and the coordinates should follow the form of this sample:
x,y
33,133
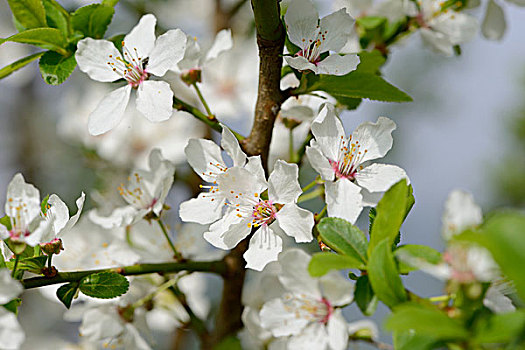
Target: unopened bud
x,y
126,313
291,123
53,247
191,76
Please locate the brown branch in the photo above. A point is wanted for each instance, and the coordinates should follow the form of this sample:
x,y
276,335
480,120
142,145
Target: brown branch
x,y
270,40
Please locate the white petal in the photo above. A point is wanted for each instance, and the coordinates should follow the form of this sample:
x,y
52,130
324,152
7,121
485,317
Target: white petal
x,y
370,199
192,54
336,289
223,42
300,63
21,193
11,333
320,163
155,100
369,325
328,131
237,232
109,111
277,318
231,145
168,51
338,65
215,234
80,205
265,246
335,28
379,177
204,156
295,277
496,301
254,166
458,27
343,200
118,218
494,24
296,222
162,172
202,209
312,337
142,37
461,213
301,20
11,288
39,229
240,186
59,213
283,184
337,329
375,138
438,42
100,323
92,58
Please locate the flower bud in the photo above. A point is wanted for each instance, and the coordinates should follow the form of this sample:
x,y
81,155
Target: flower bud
x,y
53,247
191,76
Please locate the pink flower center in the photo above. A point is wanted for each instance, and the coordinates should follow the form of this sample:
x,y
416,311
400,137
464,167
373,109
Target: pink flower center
x,y
349,161
329,311
263,213
132,68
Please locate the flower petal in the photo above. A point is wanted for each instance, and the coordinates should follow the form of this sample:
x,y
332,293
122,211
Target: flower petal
x,y
337,329
141,37
280,320
58,213
155,100
283,184
202,209
109,111
20,193
295,277
11,333
336,64
379,177
11,288
217,230
80,205
168,51
335,30
296,222
436,41
375,138
204,157
343,200
336,289
265,246
314,336
328,131
120,217
254,166
231,145
300,63
92,58
494,25
301,20
223,42
240,186
457,27
461,213
319,162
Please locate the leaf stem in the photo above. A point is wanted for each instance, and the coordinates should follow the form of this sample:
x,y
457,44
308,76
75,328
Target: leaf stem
x,y
201,98
311,184
49,258
310,195
290,146
176,253
160,289
218,267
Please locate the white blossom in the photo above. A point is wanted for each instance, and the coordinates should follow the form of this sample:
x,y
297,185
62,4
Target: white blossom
x,y
247,210
316,36
11,334
442,28
309,312
350,181
145,193
143,56
9,287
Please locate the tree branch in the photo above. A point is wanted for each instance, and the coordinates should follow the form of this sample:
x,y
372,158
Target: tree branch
x,y
270,40
218,267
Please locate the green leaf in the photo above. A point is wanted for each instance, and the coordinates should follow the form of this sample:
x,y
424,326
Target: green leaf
x,y
344,238
104,285
46,38
56,16
33,264
391,211
384,276
500,328
323,262
409,340
504,236
67,293
13,305
359,85
7,70
229,343
364,296
55,68
370,62
29,13
349,103
413,253
425,321
6,221
92,20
